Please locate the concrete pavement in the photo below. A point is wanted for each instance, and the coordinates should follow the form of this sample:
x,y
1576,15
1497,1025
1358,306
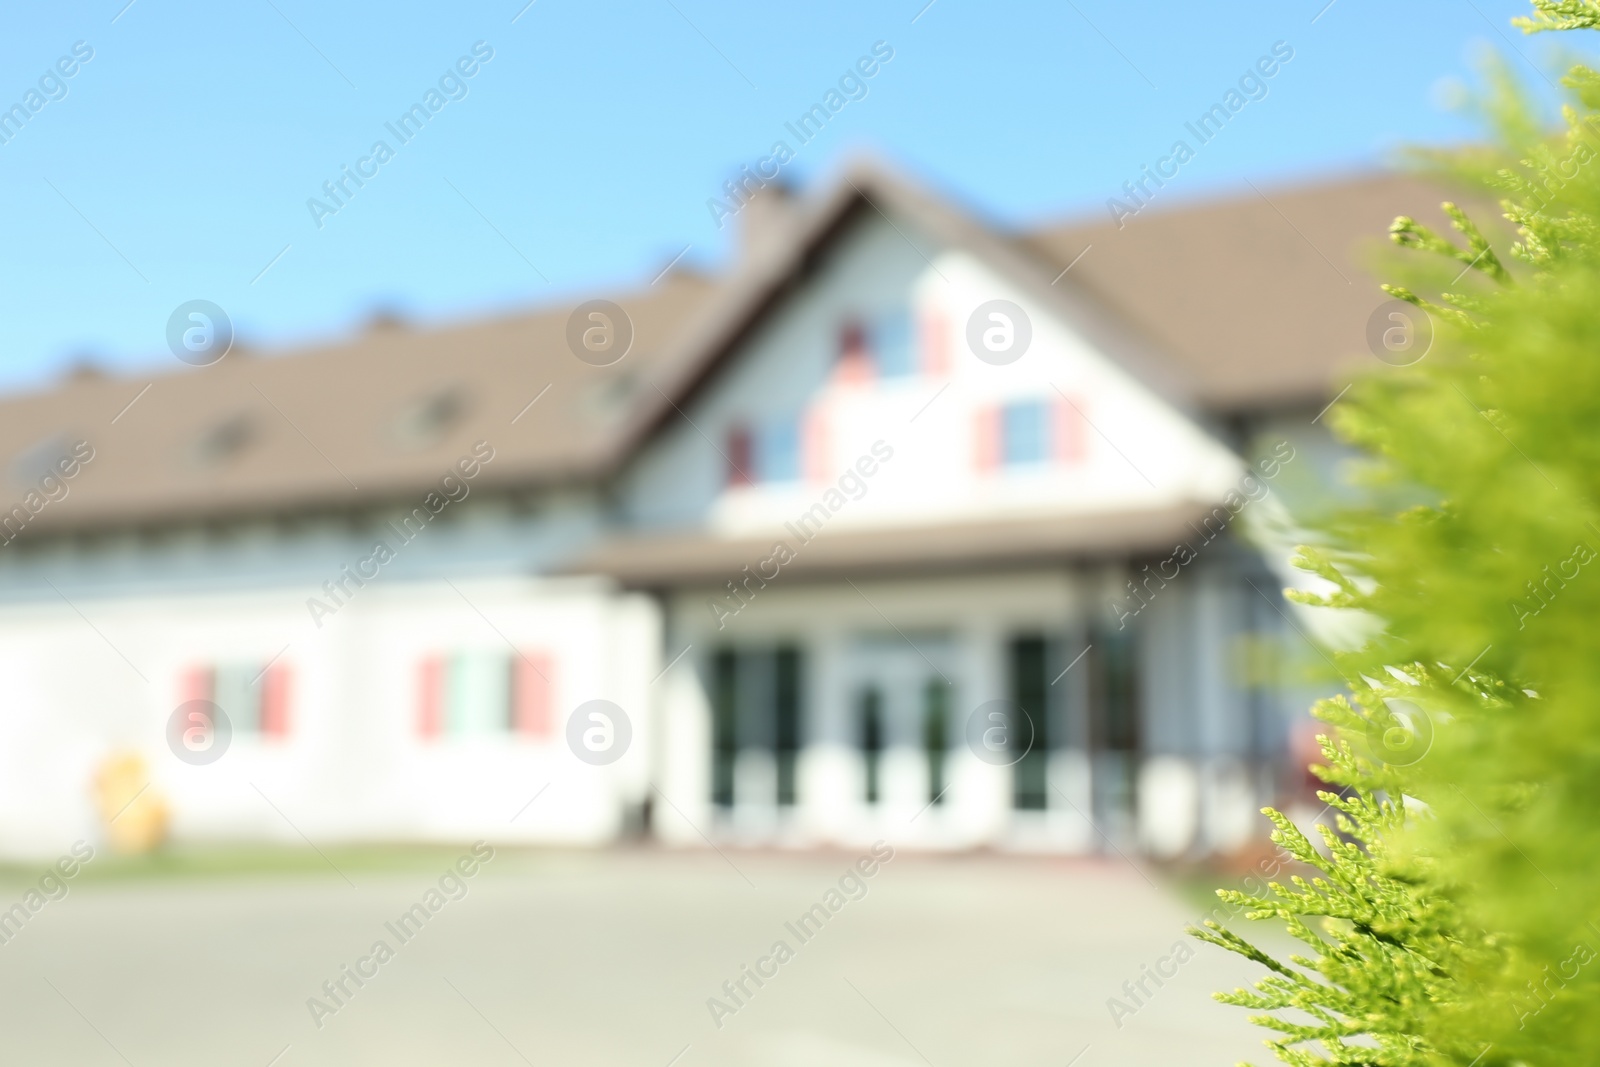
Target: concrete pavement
x,y
611,958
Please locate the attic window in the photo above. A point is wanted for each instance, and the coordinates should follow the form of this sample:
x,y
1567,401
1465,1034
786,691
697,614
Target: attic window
x,y
612,395
40,459
425,420
224,440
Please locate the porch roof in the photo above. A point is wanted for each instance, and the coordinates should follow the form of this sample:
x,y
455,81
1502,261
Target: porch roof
x,y
670,560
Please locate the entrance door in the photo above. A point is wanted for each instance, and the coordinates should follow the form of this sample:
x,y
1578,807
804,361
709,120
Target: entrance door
x,y
900,700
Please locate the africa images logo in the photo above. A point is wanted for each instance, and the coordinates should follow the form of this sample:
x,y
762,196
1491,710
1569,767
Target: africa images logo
x,y
198,732
599,732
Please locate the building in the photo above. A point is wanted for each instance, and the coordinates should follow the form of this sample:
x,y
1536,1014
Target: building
x,y
909,527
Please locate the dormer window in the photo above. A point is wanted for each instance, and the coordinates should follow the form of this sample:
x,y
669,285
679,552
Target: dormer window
x,y
428,418
224,440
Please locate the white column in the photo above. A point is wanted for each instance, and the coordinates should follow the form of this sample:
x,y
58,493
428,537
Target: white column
x,y
979,800
828,773
684,752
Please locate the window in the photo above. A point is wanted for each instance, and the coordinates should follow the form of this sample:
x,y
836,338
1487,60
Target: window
x,y
479,693
935,734
1115,692
757,701
778,452
253,695
893,348
1030,432
772,452
1114,723
223,441
426,419
724,719
1025,432
786,709
883,346
871,725
1030,689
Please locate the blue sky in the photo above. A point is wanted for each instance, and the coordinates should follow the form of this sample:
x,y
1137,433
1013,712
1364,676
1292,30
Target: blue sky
x,y
179,163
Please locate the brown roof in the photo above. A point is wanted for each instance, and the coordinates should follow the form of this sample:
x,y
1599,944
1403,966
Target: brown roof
x,y
1261,299
344,425
1225,305
648,561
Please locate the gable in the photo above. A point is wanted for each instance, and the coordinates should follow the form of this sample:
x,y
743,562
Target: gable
x,y
859,392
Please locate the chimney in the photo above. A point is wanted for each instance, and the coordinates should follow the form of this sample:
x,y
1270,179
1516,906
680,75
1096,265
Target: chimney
x,y
84,369
386,318
767,222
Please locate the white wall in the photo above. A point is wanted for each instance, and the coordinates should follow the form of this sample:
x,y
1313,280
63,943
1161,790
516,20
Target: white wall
x,y
353,766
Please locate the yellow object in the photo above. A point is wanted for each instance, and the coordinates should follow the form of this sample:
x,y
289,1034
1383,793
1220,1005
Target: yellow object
x,y
134,814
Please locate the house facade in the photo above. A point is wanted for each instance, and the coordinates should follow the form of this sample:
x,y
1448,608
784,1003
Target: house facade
x,y
909,527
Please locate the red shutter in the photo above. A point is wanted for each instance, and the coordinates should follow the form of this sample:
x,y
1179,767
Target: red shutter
x,y
1071,431
532,693
814,446
934,344
740,456
855,358
430,694
275,701
986,438
199,683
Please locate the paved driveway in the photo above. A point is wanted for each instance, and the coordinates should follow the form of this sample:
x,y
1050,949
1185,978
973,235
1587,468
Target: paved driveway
x,y
610,958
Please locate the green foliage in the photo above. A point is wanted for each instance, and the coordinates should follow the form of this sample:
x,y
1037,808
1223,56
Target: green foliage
x,y
1456,925
1561,15
1388,951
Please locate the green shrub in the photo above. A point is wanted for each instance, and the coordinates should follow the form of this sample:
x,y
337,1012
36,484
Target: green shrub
x,y
1456,922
